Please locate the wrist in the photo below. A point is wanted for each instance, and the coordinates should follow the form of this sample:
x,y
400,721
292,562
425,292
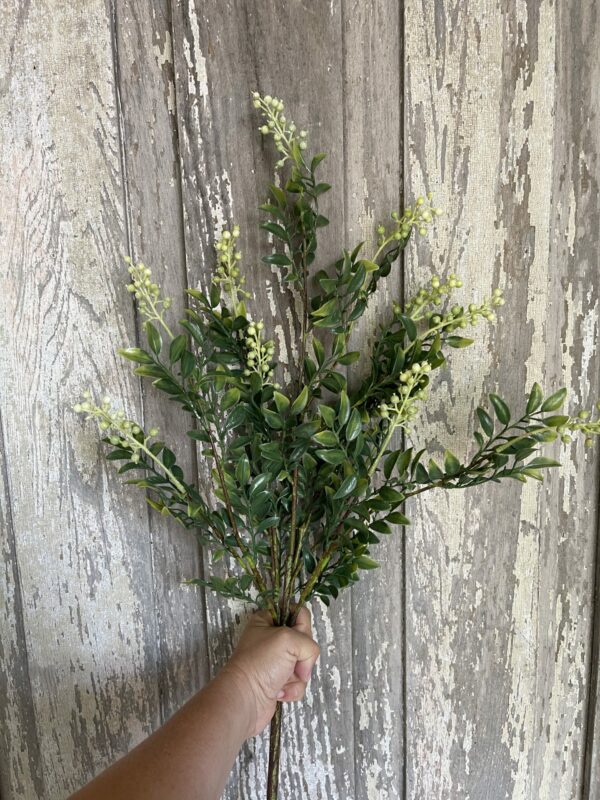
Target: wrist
x,y
236,694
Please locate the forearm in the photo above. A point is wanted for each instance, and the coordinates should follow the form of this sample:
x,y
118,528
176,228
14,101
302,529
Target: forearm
x,y
188,758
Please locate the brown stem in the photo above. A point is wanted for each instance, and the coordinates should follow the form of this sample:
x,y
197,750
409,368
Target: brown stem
x,y
274,753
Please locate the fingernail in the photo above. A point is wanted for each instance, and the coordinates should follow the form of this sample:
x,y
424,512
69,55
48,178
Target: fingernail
x,y
280,694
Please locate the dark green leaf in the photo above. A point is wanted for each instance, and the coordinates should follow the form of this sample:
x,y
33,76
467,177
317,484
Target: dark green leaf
x,y
331,456
485,421
281,401
458,341
397,518
154,338
451,463
135,354
343,408
326,438
354,426
501,409
230,398
535,399
347,486
177,348
300,402
555,400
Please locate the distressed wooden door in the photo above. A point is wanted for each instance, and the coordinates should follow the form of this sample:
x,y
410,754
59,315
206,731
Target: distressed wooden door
x,y
466,667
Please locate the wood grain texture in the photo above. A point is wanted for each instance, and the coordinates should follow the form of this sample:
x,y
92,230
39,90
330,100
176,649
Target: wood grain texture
x,y
500,583
149,140
82,551
372,47
467,666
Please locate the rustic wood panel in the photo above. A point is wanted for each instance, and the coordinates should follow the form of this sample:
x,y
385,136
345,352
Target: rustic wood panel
x,y
149,139
79,552
372,48
128,128
500,583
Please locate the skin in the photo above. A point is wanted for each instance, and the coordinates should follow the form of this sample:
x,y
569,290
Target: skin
x,y
191,755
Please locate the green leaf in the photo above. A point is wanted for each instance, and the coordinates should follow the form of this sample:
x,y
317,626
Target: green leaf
x,y
391,495
364,562
354,426
278,259
154,338
188,362
273,420
349,358
320,188
168,458
242,470
230,398
300,402
319,350
555,400
347,486
331,456
542,461
275,229
281,401
485,421
556,421
135,354
396,518
177,348
343,408
409,326
535,399
326,308
451,463
435,473
316,160
326,438
327,414
501,409
458,341
259,483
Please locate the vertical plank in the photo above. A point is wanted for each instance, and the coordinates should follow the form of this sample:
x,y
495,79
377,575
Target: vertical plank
x,y
499,582
20,774
144,59
81,546
223,51
372,48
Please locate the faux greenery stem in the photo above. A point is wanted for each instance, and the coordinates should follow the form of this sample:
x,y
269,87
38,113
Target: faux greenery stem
x,y
305,478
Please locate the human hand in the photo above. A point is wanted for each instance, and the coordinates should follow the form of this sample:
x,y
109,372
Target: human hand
x,y
272,664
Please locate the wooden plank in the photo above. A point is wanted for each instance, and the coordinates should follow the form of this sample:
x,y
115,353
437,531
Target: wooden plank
x,y
81,542
143,47
372,50
499,582
20,774
223,51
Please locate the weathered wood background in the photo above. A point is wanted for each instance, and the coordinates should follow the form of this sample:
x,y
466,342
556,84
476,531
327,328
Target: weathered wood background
x,y
466,668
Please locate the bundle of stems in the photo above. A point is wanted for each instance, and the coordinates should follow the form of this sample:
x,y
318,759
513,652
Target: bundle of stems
x,y
306,478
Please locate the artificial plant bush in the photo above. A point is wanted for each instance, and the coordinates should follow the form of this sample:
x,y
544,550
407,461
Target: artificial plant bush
x,y
307,477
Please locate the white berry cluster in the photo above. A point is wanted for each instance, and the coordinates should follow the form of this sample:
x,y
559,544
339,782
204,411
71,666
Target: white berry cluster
x,y
283,131
147,293
402,404
419,307
227,273
259,355
122,432
583,424
418,216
